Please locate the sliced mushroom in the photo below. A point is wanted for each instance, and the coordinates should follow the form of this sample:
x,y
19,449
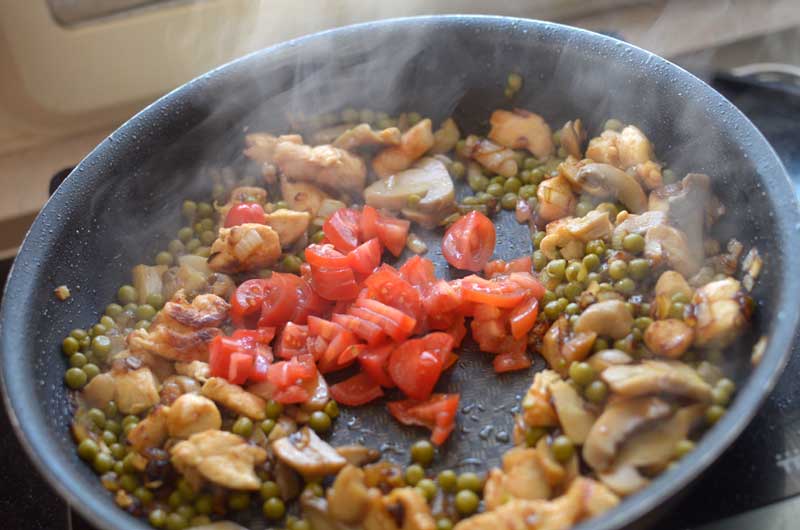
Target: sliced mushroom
x,y
174,386
493,157
221,457
348,498
605,180
521,478
235,398
245,247
624,480
555,199
657,377
446,137
537,410
575,419
414,143
307,454
406,507
665,244
428,179
521,129
721,311
570,235
609,318
618,421
685,203
670,338
190,414
358,455
364,135
302,196
605,358
572,137
290,225
655,445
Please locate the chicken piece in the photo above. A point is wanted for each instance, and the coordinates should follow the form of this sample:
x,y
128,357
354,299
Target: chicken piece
x,y
493,157
363,135
235,398
308,454
220,457
181,330
348,497
197,370
194,276
628,223
657,377
327,166
584,499
537,410
555,199
245,247
669,338
665,244
315,510
175,386
290,225
151,431
135,390
521,478
446,137
191,414
99,391
302,196
521,129
261,146
628,149
414,143
574,416
721,311
570,234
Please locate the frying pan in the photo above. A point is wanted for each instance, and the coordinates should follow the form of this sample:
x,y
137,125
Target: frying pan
x,y
120,205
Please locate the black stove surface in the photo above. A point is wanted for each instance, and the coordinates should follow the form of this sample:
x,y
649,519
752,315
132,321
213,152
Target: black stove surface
x,y
755,484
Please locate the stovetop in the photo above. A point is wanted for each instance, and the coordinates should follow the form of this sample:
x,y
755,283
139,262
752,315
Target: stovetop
x,y
755,484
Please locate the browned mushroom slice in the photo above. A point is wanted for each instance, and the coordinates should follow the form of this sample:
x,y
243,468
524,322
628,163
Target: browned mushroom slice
x,y
522,477
618,421
670,338
624,480
655,445
609,318
348,498
686,204
605,358
657,377
364,135
521,129
721,311
414,143
358,455
605,180
308,454
575,419
572,137
428,179
665,244
628,223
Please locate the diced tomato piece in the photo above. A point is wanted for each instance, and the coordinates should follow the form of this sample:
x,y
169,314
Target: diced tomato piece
x,y
330,359
316,347
292,341
418,271
457,330
495,267
498,266
351,353
248,212
393,233
523,317
497,293
246,302
279,301
260,368
528,282
483,312
326,256
375,361
342,229
366,257
394,322
219,355
387,286
415,369
356,390
294,371
521,264
368,331
443,297
291,395
437,414
239,368
335,284
323,328
469,242
368,224
511,361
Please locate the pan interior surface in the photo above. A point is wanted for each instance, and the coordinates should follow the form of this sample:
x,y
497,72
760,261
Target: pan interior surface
x,y
122,204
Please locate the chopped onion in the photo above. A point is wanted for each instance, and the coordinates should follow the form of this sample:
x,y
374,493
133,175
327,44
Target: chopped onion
x,y
247,245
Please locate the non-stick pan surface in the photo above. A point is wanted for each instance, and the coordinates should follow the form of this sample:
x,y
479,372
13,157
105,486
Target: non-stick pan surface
x,y
120,205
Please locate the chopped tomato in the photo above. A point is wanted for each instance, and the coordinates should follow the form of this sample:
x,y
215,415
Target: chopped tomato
x,y
292,341
260,367
273,301
364,329
227,354
291,394
355,391
342,229
393,233
335,284
418,271
248,212
498,266
368,224
437,414
246,302
332,358
497,292
510,361
394,322
523,317
239,368
326,256
366,257
375,361
350,354
387,286
292,372
528,282
415,368
469,242
443,297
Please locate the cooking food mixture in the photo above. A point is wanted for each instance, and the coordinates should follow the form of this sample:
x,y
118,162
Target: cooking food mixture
x,y
202,391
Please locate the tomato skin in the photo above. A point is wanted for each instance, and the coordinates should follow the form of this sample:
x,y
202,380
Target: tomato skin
x,y
356,390
415,369
437,414
366,257
248,212
469,242
342,229
523,317
374,361
326,256
335,284
496,292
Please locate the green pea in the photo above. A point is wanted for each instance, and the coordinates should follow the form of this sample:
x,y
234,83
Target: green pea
x,y
625,286
562,448
412,201
142,324
291,263
596,247
243,426
624,344
443,523
175,499
273,409
644,309
447,480
572,308
485,198
680,298
126,294
78,360
117,451
273,509
552,310
164,258
128,482
422,452
185,234
562,304
537,238
549,296
186,490
720,397
155,300
457,170
314,489
101,346
318,236
533,435
331,408
267,426
638,268
78,334
208,237
539,260
509,201
556,268
469,481
427,487
477,182
726,385
683,447
157,518
238,500
128,462
512,185
613,124
600,345
590,262
467,502
176,247
495,189
269,489
103,463
596,391
145,312
642,323
414,473
176,521
204,504
633,243
530,163
572,291
714,413
527,191
70,346
319,421
107,322
582,208
617,269
300,524
75,378
537,176
97,416
203,252
575,271
677,310
189,208
204,210
143,494
582,373
88,450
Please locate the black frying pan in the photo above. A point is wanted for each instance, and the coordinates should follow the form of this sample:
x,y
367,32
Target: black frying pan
x,y
120,205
